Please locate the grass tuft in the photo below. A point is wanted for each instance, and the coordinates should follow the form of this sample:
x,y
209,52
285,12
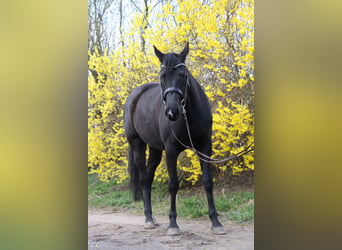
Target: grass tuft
x,y
193,207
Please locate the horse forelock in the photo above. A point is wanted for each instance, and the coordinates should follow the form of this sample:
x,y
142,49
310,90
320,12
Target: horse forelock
x,y
171,59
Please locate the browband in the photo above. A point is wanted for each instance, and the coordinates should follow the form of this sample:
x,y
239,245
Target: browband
x,y
173,67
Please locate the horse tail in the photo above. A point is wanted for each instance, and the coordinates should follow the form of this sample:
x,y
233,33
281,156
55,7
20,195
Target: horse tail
x,y
134,182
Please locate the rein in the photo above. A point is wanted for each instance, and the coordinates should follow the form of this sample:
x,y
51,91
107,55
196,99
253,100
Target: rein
x,y
200,155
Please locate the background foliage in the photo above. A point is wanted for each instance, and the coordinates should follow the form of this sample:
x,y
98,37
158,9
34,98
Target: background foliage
x,y
221,58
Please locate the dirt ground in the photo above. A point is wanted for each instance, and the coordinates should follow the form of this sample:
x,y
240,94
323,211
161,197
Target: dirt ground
x,y
121,230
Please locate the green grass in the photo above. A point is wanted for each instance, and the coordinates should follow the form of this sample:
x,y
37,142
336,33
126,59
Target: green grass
x,y
242,213
235,206
104,194
193,207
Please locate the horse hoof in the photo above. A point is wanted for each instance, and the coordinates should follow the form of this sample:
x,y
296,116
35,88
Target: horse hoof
x,y
155,222
172,231
218,230
149,225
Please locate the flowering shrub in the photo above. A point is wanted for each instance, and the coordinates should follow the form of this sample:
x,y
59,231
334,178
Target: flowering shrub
x,y
221,58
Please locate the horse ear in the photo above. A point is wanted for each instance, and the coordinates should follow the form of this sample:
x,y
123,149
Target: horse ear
x,y
184,52
159,54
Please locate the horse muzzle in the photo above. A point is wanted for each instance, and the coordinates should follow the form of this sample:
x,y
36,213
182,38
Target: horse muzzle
x,y
174,95
172,114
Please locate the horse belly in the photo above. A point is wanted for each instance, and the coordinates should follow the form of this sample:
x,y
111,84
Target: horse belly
x,y
147,125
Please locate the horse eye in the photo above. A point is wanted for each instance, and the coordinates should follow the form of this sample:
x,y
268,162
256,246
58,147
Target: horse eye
x,y
162,75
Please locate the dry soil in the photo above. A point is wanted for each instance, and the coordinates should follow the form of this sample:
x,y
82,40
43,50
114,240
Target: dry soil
x,y
120,230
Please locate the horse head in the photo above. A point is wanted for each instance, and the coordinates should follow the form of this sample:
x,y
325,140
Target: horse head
x,y
174,81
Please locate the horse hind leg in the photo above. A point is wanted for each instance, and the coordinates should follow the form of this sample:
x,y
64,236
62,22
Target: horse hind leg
x,y
139,177
136,165
146,182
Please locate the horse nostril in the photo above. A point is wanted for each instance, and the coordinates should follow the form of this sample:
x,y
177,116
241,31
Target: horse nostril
x,y
172,115
169,114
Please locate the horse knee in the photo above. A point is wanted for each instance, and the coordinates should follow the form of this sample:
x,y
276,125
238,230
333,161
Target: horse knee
x,y
173,186
208,184
146,181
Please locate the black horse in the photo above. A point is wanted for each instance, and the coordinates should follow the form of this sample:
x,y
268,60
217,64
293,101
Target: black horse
x,y
153,116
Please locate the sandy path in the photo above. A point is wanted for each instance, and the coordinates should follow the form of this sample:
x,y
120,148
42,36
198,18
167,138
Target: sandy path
x,y
120,230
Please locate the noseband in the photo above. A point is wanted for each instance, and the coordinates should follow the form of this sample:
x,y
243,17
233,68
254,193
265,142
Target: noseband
x,y
174,89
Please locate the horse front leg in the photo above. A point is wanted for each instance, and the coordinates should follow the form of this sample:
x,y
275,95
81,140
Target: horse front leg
x,y
171,161
208,186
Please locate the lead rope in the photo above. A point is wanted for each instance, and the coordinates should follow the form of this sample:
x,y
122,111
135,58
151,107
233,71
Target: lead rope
x,y
198,153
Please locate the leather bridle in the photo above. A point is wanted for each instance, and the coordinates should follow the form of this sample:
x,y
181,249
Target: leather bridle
x,y
183,95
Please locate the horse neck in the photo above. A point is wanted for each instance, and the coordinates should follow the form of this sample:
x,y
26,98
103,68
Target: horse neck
x,y
197,99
